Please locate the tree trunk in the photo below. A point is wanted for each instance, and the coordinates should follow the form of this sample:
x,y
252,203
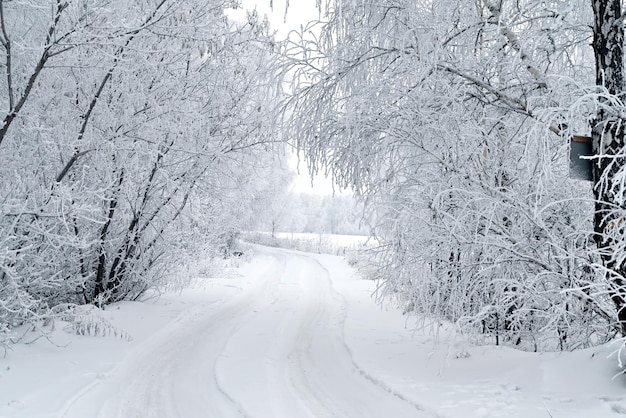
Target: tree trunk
x,y
608,143
100,287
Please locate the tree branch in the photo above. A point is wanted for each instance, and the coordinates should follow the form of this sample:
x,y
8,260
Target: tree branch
x,y
6,43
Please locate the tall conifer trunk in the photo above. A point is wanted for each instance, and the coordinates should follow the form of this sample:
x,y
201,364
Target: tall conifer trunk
x,y
608,142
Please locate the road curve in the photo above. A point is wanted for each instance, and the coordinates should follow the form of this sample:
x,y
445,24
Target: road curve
x,y
275,349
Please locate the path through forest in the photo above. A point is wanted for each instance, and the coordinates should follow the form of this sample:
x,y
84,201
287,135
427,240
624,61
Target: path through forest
x,y
276,349
290,335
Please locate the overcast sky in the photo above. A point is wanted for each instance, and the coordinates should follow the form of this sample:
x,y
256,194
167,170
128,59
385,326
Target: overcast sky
x,y
299,13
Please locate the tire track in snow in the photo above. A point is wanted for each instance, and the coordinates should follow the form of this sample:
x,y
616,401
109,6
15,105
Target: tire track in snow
x,y
256,365
382,385
331,328
313,371
276,349
172,373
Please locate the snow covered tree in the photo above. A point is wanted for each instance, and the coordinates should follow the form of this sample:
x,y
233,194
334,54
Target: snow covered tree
x,y
119,120
452,119
609,147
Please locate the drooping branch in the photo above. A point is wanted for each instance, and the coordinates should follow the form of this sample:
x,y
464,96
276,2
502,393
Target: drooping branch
x,y
515,43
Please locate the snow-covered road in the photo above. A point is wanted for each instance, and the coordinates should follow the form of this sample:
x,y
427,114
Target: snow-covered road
x,y
291,335
274,349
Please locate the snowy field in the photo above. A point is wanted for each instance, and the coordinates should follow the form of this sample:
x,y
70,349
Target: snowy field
x,y
333,239
345,245
292,335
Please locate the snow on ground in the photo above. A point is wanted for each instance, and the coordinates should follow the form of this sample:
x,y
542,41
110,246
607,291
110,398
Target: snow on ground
x,y
292,335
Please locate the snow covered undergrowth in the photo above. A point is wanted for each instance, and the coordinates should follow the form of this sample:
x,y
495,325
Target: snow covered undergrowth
x,y
460,380
287,335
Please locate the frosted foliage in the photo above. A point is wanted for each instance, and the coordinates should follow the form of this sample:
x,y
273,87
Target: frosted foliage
x,y
451,119
128,128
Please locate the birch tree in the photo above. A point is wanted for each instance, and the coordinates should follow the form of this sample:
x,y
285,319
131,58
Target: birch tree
x,y
608,146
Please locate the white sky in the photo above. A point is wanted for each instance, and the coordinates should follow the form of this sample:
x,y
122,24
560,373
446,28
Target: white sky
x,y
299,13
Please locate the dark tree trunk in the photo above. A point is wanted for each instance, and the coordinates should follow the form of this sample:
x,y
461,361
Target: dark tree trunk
x,y
608,141
100,287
